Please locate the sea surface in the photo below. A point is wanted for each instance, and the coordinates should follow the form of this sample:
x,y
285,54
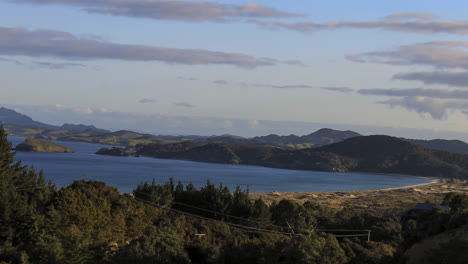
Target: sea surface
x,y
125,173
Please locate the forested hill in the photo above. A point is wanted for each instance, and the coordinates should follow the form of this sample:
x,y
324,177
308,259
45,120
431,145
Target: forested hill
x,y
455,146
377,154
393,155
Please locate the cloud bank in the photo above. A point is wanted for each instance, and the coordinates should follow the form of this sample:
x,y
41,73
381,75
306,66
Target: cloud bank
x,y
418,92
192,11
451,78
436,108
413,22
438,54
435,102
59,44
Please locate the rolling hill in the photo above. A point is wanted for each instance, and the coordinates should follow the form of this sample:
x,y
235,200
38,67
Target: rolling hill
x,y
374,154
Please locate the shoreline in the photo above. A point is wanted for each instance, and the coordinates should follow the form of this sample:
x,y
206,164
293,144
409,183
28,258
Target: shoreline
x,y
390,199
434,181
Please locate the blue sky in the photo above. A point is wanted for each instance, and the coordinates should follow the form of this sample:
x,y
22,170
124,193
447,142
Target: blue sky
x,y
239,67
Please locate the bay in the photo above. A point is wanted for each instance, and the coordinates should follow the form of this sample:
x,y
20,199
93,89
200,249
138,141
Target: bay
x,y
125,173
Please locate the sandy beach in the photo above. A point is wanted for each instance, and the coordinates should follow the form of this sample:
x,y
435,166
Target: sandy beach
x,y
384,199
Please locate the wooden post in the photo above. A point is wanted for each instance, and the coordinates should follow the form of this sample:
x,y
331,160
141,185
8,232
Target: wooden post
x,y
199,235
368,235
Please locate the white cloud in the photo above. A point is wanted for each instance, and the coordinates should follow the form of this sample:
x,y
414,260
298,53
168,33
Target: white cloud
x,y
436,108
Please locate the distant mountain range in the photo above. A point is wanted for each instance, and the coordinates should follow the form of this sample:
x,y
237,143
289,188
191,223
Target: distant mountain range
x,y
8,116
21,125
11,117
320,137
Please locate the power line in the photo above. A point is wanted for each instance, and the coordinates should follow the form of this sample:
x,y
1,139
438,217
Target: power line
x,y
252,229
213,220
242,226
231,216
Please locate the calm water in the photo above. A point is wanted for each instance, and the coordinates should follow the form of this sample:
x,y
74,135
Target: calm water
x,y
126,172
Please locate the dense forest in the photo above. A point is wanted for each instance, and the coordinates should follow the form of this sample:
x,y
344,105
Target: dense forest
x,y
89,222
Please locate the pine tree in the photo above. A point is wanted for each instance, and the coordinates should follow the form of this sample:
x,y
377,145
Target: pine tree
x,y
10,200
22,194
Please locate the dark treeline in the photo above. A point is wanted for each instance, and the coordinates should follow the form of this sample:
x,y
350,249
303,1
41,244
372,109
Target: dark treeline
x,y
89,222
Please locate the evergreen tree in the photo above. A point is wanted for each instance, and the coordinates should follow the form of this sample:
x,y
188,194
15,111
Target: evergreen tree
x,y
241,203
23,194
11,203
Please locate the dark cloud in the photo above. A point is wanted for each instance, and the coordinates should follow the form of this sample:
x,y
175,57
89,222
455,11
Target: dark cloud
x,y
23,42
451,78
418,92
338,89
441,54
421,23
221,82
184,104
172,10
56,66
436,108
146,101
293,86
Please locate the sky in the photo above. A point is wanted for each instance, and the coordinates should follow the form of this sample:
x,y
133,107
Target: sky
x,y
238,67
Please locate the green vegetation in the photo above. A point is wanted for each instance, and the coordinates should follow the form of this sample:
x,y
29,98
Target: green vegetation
x,y
37,145
89,222
376,154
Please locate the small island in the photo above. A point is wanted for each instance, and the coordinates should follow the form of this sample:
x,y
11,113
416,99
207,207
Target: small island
x,y
114,151
38,145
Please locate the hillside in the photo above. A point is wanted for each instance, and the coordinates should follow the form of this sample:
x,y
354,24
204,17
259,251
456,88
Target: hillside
x,y
37,145
376,154
8,116
455,146
19,123
385,154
